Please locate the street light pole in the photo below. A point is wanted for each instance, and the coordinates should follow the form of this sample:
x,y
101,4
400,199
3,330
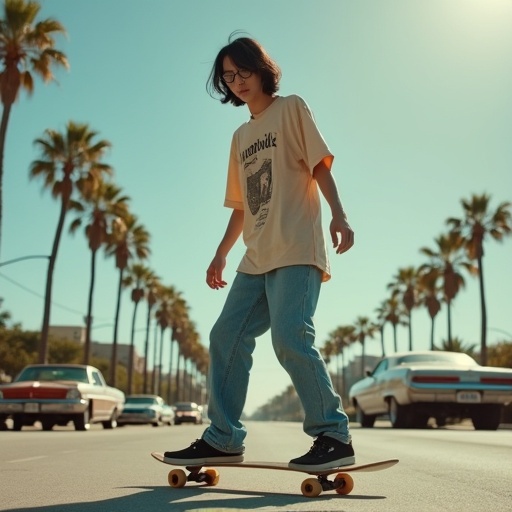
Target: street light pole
x,y
34,256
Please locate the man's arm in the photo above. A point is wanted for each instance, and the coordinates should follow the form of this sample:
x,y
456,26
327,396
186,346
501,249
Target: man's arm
x,y
339,223
233,231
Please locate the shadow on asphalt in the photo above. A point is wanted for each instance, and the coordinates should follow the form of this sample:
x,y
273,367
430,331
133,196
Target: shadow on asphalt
x,y
166,499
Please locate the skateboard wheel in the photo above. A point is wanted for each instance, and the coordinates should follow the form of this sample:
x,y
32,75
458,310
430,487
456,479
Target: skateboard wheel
x,y
347,483
311,487
177,478
212,477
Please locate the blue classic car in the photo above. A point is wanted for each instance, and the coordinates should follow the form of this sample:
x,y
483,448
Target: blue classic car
x,y
142,409
412,387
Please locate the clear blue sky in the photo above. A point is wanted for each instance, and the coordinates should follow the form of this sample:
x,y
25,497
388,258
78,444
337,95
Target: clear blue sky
x,y
413,97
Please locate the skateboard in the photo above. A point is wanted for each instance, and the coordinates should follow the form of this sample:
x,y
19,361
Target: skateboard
x,y
342,483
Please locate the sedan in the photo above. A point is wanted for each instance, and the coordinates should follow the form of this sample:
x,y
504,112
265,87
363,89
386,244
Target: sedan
x,y
412,387
58,394
188,412
146,409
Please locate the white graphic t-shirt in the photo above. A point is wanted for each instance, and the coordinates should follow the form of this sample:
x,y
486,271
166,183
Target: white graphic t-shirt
x,y
270,177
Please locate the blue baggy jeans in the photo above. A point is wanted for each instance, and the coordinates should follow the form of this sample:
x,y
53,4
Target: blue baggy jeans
x,y
284,301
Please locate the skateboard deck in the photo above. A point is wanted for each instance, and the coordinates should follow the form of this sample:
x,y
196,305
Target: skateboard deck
x,y
342,483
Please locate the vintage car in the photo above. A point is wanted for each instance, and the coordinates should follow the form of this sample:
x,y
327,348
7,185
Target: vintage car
x,y
412,387
188,412
56,394
141,409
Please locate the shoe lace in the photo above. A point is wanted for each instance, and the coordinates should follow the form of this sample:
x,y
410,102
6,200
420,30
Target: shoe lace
x,y
319,447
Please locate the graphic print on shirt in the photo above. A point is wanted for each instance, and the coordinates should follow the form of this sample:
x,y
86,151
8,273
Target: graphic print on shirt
x,y
258,172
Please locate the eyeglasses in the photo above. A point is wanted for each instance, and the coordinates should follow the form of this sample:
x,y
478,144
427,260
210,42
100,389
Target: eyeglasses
x,y
229,76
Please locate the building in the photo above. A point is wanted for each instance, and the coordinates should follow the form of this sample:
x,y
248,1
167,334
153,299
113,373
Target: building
x,y
68,332
101,350
104,351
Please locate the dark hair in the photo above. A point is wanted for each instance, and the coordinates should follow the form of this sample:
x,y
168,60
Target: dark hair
x,y
248,54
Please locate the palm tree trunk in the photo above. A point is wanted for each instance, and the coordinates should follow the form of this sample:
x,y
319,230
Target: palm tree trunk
x,y
3,132
432,346
362,357
410,331
132,348
343,384
449,317
178,388
88,324
160,361
394,339
155,353
382,341
43,347
169,376
483,309
146,350
113,358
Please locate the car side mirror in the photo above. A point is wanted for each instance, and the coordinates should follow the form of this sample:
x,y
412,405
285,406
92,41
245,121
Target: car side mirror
x,y
368,372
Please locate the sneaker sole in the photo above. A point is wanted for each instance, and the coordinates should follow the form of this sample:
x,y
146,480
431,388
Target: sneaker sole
x,y
205,460
347,461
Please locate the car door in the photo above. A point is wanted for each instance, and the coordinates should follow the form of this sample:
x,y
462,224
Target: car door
x,y
370,398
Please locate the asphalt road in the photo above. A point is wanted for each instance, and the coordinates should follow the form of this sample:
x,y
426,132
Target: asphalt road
x,y
450,469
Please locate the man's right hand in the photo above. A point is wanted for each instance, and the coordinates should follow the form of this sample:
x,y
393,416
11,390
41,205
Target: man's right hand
x,y
214,273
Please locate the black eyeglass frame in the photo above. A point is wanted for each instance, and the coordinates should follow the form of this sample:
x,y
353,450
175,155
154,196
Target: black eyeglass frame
x,y
242,73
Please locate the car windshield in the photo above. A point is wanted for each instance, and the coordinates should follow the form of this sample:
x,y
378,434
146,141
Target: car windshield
x,y
140,400
52,373
186,407
437,358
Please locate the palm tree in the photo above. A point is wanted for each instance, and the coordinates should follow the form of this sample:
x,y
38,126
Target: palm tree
x,y
152,286
392,311
137,275
428,295
342,337
404,287
101,206
26,47
446,262
128,240
363,329
70,163
164,320
479,222
380,323
180,330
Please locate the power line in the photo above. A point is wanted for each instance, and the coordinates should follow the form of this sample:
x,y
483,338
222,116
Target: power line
x,y
32,292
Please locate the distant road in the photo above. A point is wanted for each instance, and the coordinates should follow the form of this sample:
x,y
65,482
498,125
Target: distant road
x,y
452,469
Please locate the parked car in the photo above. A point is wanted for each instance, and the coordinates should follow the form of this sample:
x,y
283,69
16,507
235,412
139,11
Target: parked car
x,y
188,412
415,386
144,409
59,393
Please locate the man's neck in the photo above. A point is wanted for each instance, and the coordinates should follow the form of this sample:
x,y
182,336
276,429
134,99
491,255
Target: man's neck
x,y
260,104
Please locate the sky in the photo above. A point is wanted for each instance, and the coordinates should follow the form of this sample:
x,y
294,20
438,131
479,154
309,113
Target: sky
x,y
412,97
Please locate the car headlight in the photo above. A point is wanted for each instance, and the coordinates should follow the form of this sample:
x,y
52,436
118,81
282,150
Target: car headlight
x,y
73,394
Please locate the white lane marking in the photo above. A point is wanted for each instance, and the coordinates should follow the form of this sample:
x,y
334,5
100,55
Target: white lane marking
x,y
27,460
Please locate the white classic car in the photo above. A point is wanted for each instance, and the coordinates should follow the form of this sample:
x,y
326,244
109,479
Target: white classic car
x,y
412,387
56,394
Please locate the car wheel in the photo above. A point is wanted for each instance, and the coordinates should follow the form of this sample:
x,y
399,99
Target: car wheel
x,y
17,422
47,424
440,421
365,420
82,421
487,417
112,422
398,414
